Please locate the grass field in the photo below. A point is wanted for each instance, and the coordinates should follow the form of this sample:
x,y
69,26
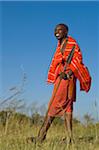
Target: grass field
x,y
14,133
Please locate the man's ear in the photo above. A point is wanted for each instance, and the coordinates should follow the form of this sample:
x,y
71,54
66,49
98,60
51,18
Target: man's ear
x,y
66,32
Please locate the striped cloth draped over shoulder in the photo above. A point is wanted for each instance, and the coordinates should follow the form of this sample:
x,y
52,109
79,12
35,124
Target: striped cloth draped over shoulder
x,y
79,69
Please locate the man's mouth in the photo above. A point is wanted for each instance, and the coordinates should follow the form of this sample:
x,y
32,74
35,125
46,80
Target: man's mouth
x,y
57,35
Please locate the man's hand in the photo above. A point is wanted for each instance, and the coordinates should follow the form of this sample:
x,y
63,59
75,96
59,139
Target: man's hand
x,y
64,76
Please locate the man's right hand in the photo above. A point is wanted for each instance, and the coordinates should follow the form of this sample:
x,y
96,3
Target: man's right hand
x,y
63,75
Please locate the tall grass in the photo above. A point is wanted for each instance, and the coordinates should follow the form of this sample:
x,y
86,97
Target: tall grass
x,y
15,131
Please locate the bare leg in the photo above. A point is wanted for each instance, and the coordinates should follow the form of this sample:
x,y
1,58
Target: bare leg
x,y
68,124
43,131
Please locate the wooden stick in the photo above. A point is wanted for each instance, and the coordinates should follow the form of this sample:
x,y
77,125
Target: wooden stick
x,y
52,99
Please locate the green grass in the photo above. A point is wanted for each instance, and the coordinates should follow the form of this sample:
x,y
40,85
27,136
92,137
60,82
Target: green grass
x,y
16,133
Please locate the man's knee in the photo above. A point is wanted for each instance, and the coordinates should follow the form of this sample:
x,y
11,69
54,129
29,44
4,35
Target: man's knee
x,y
50,119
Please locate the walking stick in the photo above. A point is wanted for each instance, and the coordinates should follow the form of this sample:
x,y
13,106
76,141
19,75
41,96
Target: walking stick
x,y
68,61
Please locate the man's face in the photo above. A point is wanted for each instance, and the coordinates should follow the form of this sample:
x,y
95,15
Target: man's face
x,y
60,32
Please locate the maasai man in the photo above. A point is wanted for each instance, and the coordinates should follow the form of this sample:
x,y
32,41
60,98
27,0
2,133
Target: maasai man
x,y
62,103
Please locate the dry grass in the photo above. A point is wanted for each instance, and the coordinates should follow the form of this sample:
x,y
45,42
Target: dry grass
x,y
16,133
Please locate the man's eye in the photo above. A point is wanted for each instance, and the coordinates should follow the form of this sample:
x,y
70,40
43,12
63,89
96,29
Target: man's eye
x,y
60,30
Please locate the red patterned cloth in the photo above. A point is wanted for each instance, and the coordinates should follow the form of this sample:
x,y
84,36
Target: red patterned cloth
x,y
79,69
63,100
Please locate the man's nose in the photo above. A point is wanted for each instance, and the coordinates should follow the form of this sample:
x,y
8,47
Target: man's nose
x,y
56,32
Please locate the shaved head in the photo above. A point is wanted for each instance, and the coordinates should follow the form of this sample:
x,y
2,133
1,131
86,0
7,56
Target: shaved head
x,y
61,31
64,26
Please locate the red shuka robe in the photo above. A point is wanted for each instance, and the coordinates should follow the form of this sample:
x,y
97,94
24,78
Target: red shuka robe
x,y
66,93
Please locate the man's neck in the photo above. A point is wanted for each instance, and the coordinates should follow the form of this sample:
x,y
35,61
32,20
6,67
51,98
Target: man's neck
x,y
62,40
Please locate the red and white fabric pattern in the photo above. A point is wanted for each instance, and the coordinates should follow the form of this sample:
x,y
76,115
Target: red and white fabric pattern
x,y
79,69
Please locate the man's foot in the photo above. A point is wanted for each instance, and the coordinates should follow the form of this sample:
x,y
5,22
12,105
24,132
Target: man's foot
x,y
31,140
70,141
63,140
34,140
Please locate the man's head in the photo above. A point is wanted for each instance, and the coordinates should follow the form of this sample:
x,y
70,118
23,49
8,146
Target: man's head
x,y
61,31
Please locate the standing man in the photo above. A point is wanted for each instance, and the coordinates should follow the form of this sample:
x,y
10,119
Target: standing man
x,y
62,99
